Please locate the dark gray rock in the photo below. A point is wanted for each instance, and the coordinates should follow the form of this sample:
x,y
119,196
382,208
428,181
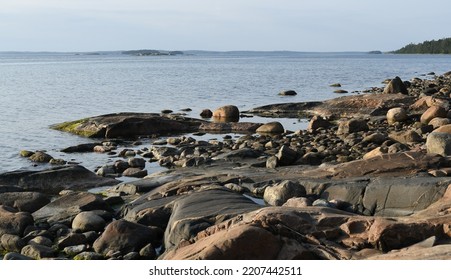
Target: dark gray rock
x,y
15,256
125,237
73,239
195,212
396,86
286,156
12,243
81,148
40,157
317,122
24,201
288,93
65,208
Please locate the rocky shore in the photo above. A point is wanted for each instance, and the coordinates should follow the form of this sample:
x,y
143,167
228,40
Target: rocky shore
x,y
368,179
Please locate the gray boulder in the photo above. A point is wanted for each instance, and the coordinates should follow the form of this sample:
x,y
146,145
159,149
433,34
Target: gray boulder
x,y
396,86
279,194
14,222
439,143
88,221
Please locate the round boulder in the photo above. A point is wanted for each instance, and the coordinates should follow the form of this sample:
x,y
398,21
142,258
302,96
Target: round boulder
x,y
433,112
206,113
395,115
88,221
318,122
439,122
279,194
228,112
271,128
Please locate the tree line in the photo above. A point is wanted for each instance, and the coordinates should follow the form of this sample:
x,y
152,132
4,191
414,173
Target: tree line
x,y
442,46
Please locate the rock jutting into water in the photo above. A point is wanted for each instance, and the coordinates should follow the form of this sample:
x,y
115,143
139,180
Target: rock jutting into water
x,y
369,179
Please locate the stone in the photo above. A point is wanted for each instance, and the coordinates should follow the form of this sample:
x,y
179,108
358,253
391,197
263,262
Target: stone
x,y
38,252
376,138
340,91
41,240
335,85
206,113
229,127
298,202
125,237
137,162
106,170
81,148
439,143
286,156
75,250
317,122
15,256
288,93
65,208
227,113
12,243
26,154
56,179
351,126
73,239
272,162
439,122
88,256
396,86
24,201
271,128
40,157
88,221
433,112
406,137
278,194
135,172
148,252
395,115
14,222
375,152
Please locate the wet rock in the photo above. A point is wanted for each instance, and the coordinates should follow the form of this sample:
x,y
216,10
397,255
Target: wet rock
x,y
88,221
14,222
135,172
125,237
271,128
278,194
230,127
439,143
288,93
81,148
227,113
137,162
340,91
395,115
433,112
106,170
65,208
40,157
206,113
24,201
396,86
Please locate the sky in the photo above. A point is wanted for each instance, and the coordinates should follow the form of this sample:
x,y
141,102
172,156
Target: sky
x,y
222,25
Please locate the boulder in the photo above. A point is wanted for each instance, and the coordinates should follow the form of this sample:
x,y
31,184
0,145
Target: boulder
x,y
395,115
88,221
38,252
137,162
40,157
14,222
439,122
24,201
445,129
271,128
351,126
227,113
288,93
134,172
65,208
396,86
72,239
125,237
278,194
298,202
229,127
439,143
12,243
433,112
317,122
81,148
406,137
286,156
16,256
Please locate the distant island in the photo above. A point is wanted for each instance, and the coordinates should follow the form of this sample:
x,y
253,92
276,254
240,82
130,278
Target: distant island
x,y
442,46
151,52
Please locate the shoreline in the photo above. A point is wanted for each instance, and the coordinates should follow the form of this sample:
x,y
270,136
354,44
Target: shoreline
x,y
365,180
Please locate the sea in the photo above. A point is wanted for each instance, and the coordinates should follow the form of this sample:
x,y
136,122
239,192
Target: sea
x,y
38,90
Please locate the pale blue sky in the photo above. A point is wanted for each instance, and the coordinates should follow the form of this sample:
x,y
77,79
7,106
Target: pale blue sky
x,y
298,25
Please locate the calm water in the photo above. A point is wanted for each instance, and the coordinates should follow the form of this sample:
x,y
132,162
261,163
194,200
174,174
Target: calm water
x,y
37,90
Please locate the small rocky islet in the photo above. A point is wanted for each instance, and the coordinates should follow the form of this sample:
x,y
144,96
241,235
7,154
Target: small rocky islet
x,y
368,179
